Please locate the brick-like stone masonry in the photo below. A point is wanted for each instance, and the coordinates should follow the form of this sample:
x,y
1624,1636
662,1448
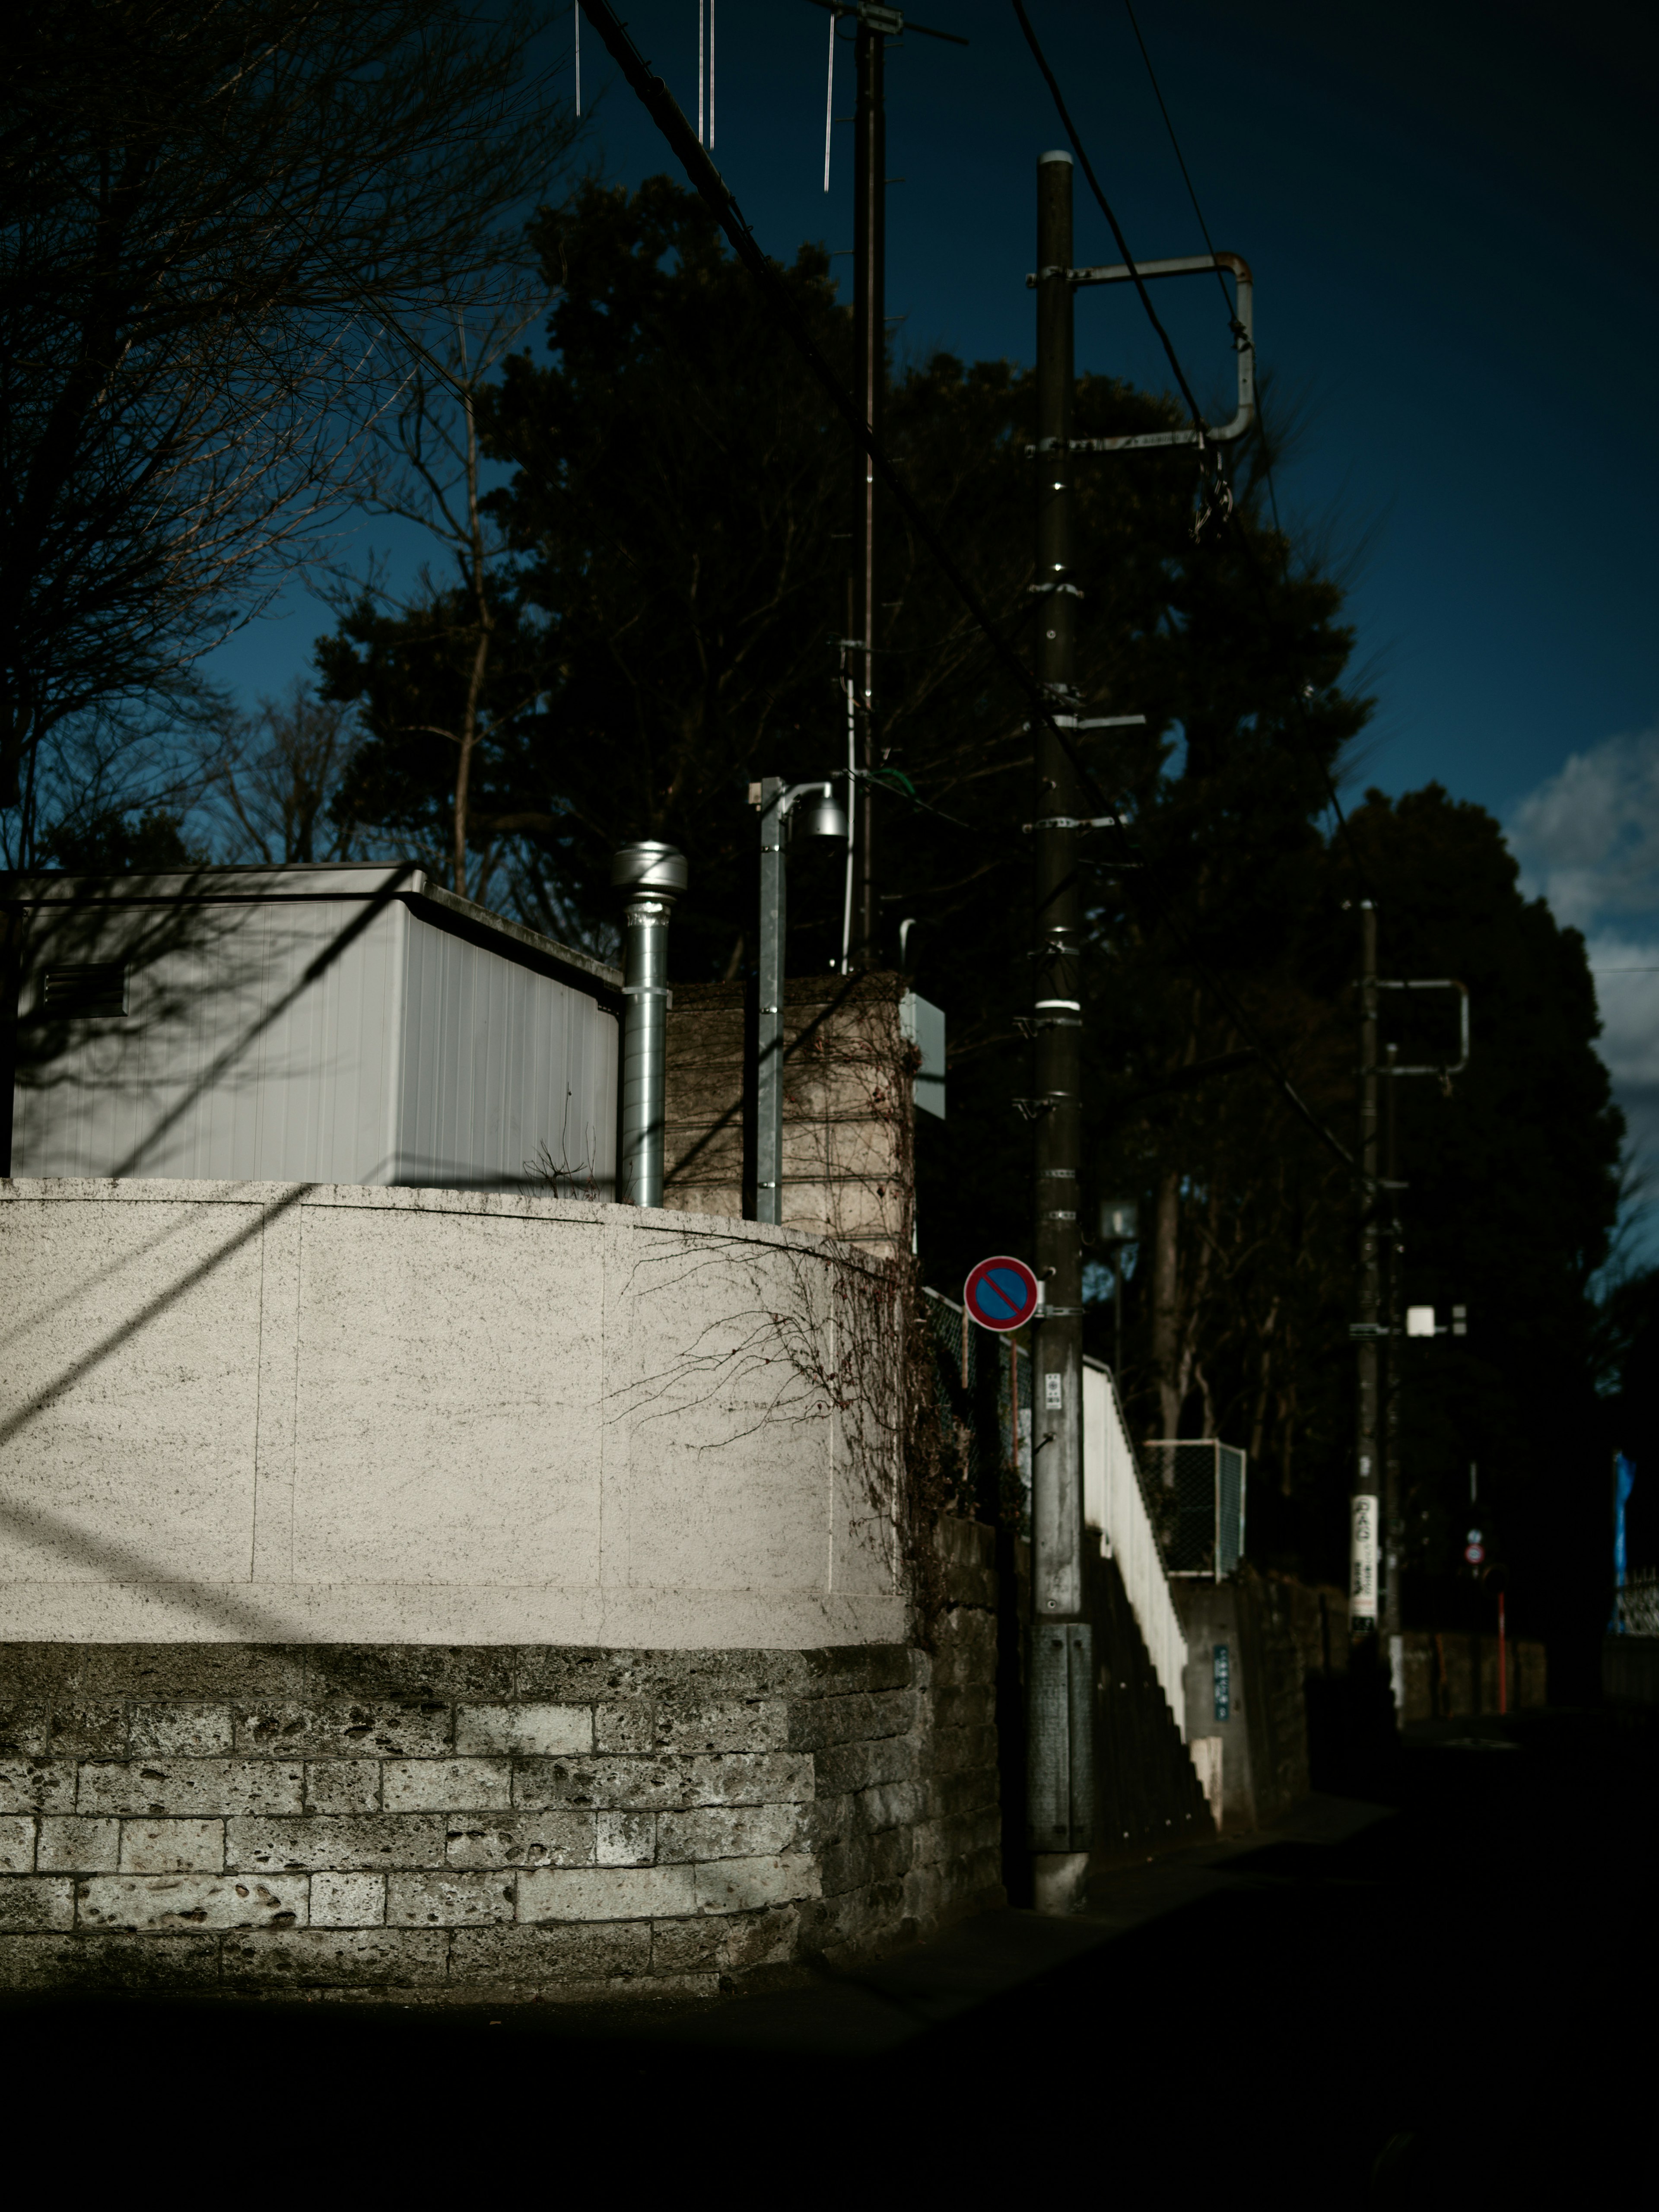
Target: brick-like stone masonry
x,y
477,1825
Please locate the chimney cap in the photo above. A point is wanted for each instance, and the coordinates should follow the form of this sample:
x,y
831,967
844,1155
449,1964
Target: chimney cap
x,y
649,864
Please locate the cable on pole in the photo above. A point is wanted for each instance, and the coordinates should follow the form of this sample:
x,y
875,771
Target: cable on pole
x,y
1233,322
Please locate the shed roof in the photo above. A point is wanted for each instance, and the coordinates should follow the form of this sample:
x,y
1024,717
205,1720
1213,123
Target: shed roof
x,y
369,880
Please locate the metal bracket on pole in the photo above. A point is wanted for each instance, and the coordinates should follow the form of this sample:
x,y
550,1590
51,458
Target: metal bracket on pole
x,y
1440,983
1185,265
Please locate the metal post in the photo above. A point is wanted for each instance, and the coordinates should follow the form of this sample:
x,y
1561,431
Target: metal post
x,y
870,357
825,818
768,1066
654,874
1062,1783
1363,1544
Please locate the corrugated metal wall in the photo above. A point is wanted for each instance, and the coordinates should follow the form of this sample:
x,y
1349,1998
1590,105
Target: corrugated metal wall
x,y
229,1063
500,1067
313,1039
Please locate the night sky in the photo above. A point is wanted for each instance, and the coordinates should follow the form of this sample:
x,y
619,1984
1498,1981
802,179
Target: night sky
x,y
1450,214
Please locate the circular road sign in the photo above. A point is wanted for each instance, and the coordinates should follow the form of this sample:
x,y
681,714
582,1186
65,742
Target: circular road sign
x,y
1001,1293
1474,1554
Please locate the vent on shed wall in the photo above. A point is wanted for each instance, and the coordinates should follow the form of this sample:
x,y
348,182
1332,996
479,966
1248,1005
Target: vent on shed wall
x,y
88,991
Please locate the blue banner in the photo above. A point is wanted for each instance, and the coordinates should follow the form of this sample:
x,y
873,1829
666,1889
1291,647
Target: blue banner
x,y
1624,1481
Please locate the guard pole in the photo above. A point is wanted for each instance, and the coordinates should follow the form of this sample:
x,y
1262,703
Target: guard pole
x,y
1061,1678
869,356
654,875
1363,1541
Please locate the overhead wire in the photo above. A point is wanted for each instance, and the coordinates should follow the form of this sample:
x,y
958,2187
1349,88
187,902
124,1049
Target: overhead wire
x,y
666,111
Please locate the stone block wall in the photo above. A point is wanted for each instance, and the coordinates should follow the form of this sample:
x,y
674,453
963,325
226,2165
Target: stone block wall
x,y
846,1107
475,1825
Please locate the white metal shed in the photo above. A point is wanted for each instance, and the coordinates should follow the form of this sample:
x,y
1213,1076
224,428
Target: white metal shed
x,y
332,1024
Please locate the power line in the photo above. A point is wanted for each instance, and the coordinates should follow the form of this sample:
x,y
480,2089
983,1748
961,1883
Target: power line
x,y
1139,281
1233,322
1181,158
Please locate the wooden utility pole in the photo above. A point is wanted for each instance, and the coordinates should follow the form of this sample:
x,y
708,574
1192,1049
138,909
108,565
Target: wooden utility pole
x,y
1062,1673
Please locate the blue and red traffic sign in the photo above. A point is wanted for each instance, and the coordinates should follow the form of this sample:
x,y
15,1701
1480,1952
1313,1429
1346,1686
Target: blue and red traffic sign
x,y
1001,1294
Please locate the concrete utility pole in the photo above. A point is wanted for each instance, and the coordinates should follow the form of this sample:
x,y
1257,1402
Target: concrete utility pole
x,y
1362,1550
1395,1370
654,875
870,357
1061,1674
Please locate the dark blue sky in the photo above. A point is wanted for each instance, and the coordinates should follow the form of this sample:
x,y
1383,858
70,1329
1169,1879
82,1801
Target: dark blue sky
x,y
1450,214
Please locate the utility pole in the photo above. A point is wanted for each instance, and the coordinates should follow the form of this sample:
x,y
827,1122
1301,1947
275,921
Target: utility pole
x,y
1394,1373
876,25
1062,1674
1363,1546
870,358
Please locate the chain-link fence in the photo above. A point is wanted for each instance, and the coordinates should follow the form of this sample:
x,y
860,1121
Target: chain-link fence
x,y
1195,1489
978,1376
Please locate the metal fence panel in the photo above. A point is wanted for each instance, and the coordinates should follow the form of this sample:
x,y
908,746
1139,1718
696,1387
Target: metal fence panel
x,y
1197,1498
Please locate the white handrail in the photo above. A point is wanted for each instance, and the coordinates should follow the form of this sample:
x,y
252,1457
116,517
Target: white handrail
x,y
1115,1502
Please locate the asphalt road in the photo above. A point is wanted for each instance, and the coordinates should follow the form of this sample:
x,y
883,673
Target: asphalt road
x,y
1437,1988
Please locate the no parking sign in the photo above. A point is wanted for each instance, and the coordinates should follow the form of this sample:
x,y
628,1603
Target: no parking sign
x,y
1001,1293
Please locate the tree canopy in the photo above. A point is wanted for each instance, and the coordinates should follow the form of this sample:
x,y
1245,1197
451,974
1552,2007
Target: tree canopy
x,y
221,232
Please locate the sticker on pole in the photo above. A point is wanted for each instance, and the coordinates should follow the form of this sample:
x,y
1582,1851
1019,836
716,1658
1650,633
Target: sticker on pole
x,y
1001,1294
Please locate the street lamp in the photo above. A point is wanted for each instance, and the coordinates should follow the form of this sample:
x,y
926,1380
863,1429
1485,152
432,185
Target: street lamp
x,y
822,816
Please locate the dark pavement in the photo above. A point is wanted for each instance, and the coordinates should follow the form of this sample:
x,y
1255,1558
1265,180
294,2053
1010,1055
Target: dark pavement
x,y
1435,1988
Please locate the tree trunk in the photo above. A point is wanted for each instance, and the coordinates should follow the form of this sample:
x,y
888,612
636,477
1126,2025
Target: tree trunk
x,y
1166,1302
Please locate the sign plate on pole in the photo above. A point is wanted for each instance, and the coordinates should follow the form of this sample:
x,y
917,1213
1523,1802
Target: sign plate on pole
x,y
1001,1294
1474,1554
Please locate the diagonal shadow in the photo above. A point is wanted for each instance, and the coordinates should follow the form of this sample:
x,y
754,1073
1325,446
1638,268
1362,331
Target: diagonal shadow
x,y
819,1021
78,1370
334,950
252,1622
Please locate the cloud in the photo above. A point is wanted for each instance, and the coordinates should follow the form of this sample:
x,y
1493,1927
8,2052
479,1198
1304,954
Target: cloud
x,y
1588,840
1588,837
1626,971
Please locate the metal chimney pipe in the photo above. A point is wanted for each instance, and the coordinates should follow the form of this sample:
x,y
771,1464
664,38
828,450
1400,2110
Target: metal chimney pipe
x,y
654,875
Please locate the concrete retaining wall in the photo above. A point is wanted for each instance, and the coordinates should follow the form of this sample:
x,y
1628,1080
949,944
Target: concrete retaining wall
x,y
479,1823
1260,1747
283,1414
